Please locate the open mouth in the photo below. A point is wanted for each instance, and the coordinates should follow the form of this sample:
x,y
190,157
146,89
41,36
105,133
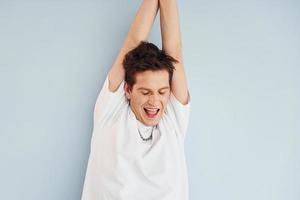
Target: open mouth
x,y
151,112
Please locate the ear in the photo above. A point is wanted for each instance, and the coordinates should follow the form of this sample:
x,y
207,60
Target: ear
x,y
127,90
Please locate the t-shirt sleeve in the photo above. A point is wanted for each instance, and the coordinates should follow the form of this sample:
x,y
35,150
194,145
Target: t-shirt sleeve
x,y
108,102
179,113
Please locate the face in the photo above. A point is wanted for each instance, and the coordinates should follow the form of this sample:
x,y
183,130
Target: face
x,y
149,96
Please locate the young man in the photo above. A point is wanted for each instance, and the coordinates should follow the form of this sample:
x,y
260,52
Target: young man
x,y
141,116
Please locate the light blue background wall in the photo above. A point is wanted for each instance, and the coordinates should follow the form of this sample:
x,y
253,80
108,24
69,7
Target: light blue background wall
x,y
242,60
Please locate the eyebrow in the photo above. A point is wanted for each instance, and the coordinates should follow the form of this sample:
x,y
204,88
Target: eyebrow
x,y
142,88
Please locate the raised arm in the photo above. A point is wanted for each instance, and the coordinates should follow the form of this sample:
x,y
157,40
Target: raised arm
x,y
171,44
139,31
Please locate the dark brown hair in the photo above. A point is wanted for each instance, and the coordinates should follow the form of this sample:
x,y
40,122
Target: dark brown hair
x,y
146,56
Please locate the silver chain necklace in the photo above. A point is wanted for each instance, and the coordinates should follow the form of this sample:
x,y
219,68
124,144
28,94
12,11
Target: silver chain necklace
x,y
149,138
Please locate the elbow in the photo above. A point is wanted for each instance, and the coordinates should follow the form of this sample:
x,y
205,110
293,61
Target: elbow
x,y
174,50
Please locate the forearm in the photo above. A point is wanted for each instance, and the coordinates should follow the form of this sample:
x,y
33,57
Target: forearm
x,y
143,21
170,27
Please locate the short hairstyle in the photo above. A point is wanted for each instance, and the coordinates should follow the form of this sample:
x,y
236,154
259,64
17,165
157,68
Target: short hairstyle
x,y
146,56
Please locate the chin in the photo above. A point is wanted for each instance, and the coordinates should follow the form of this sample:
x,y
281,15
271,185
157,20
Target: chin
x,y
151,123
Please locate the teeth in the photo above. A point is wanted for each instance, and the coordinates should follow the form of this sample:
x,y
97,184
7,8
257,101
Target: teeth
x,y
151,111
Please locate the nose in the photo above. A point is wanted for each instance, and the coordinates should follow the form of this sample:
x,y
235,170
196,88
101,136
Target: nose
x,y
153,99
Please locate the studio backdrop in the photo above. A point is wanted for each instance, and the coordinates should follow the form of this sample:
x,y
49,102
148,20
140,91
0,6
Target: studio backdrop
x,y
242,61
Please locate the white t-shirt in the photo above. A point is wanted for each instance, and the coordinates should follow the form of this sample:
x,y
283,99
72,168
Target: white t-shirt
x,y
122,166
